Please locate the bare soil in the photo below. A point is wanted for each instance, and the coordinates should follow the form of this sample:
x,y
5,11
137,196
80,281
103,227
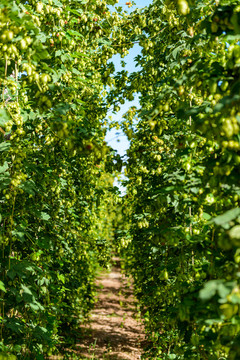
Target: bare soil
x,y
115,331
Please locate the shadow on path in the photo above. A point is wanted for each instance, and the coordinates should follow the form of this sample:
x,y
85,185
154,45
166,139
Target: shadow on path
x,y
113,332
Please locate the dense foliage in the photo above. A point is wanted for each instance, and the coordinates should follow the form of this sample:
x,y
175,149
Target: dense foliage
x,y
180,233
183,171
56,171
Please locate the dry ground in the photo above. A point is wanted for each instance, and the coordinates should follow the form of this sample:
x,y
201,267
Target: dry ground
x,y
115,331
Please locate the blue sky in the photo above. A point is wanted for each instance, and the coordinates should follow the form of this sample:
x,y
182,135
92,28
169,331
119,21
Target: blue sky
x,y
115,138
111,136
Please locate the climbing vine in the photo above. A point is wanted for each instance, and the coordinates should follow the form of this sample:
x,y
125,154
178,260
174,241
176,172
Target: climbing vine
x,y
180,230
183,170
56,171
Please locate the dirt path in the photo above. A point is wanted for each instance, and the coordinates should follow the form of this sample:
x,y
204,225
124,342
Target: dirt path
x,y
114,331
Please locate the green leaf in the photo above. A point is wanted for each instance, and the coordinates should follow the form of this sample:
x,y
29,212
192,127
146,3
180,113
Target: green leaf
x,y
206,216
41,332
235,299
57,3
104,41
177,50
223,290
58,53
35,306
29,187
4,146
65,57
18,234
62,109
44,216
75,33
4,117
212,287
194,190
78,55
26,290
61,277
11,274
226,217
17,348
4,167
5,356
42,37
229,38
75,71
209,290
73,11
234,233
4,180
2,287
